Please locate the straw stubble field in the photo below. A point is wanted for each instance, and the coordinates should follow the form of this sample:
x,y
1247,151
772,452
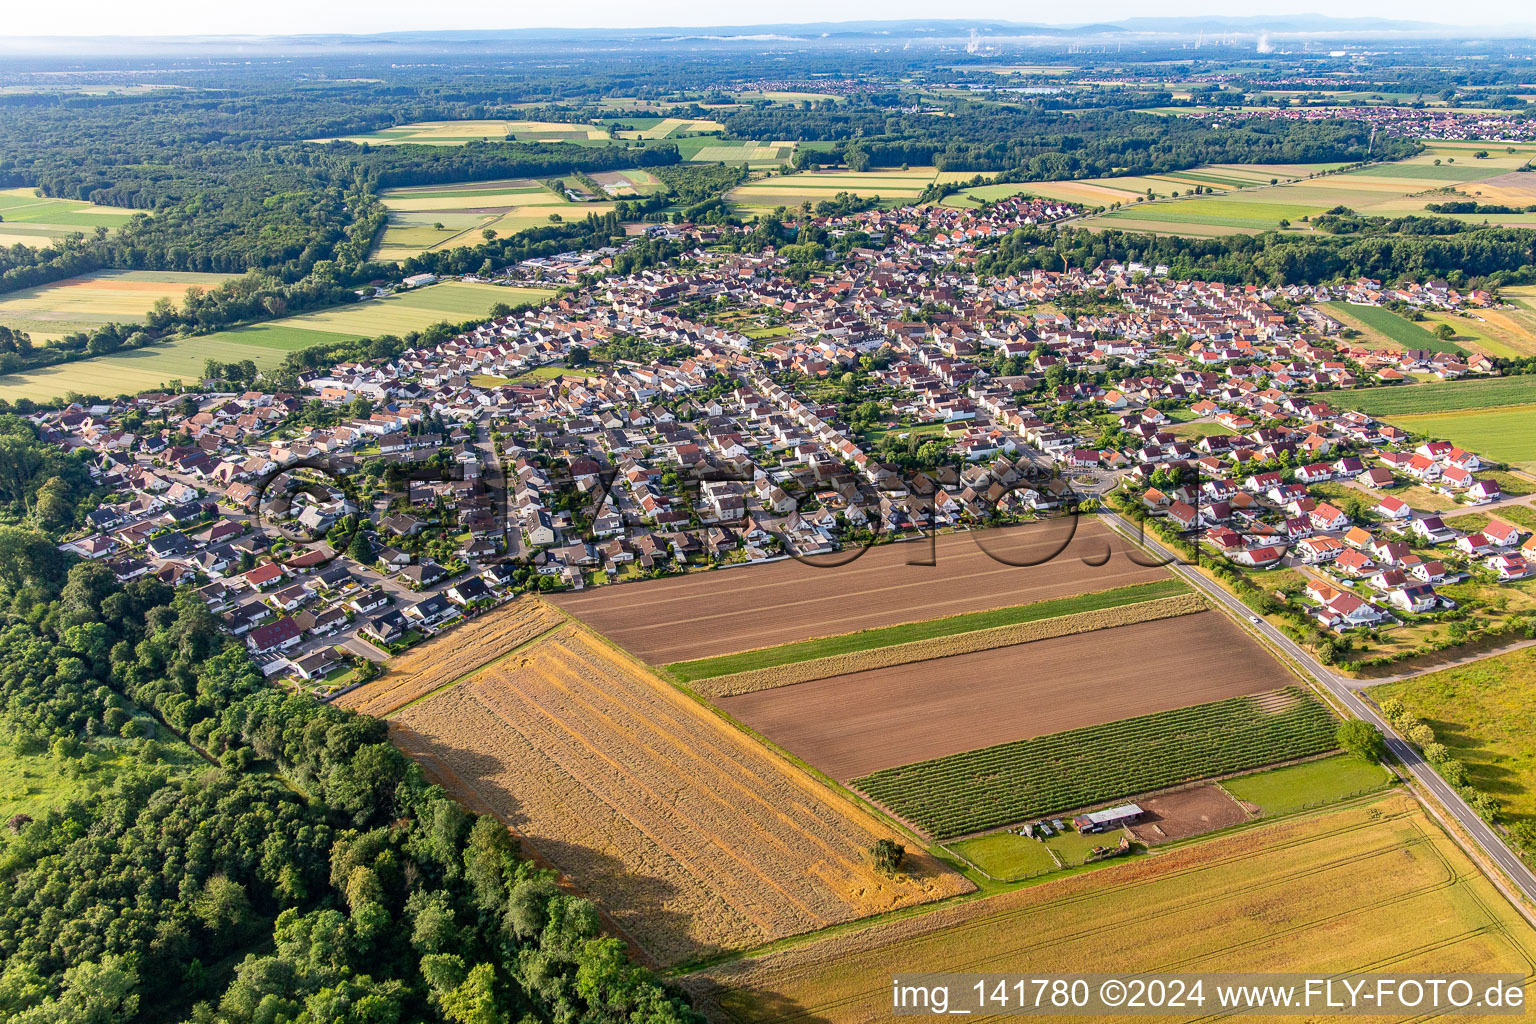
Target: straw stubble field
x,y
447,657
1375,888
694,838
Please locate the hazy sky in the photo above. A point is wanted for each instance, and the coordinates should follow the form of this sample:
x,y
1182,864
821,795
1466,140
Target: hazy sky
x,y
287,17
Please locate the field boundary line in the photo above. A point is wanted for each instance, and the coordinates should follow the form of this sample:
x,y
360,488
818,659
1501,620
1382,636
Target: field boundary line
x,y
476,670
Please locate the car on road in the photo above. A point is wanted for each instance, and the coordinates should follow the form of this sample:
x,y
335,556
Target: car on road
x,y
1254,619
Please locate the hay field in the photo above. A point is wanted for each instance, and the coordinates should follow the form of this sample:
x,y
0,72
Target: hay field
x,y
1375,888
265,344
815,186
32,220
694,838
51,311
457,133
852,725
451,655
1378,190
718,613
466,210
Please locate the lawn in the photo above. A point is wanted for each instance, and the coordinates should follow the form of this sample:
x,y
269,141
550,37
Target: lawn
x,y
36,782
1506,434
870,639
1482,712
48,312
1308,784
264,344
1007,856
1447,396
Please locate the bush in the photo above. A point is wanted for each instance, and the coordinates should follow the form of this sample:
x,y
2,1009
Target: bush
x,y
1363,740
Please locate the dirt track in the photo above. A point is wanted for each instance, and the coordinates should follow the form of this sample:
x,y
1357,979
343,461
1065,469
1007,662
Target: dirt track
x,y
851,725
711,613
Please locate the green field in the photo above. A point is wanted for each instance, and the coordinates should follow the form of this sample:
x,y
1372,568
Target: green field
x,y
1097,192
713,149
445,216
1447,396
1482,712
1308,784
29,219
815,186
51,311
265,344
885,636
1391,326
1007,857
999,785
1506,434
1400,187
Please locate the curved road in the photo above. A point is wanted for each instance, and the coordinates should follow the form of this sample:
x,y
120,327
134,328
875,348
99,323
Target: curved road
x,y
1491,842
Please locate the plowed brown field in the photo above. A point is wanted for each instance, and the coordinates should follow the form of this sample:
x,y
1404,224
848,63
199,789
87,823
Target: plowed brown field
x,y
693,837
851,725
707,614
450,655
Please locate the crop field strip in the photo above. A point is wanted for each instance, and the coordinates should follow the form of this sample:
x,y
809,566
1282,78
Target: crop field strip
x,y
998,785
1506,434
1375,888
451,655
457,133
866,722
1396,329
466,209
1450,396
951,646
694,837
33,220
1380,189
264,344
51,311
692,617
870,639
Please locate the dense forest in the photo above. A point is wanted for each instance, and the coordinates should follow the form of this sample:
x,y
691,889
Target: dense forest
x,y
260,857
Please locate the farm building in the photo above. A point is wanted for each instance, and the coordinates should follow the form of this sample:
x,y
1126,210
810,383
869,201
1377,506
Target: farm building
x,y
1107,819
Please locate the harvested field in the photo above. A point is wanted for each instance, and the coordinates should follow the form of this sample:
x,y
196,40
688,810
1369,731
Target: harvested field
x,y
694,838
708,614
972,642
856,724
448,656
1186,812
1003,784
1363,889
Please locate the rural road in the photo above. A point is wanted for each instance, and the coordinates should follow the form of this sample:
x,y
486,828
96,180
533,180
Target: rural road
x,y
1492,844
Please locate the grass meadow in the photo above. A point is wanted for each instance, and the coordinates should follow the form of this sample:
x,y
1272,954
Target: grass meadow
x,y
1507,434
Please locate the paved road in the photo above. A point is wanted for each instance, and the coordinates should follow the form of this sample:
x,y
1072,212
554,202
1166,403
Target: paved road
x,y
1492,844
